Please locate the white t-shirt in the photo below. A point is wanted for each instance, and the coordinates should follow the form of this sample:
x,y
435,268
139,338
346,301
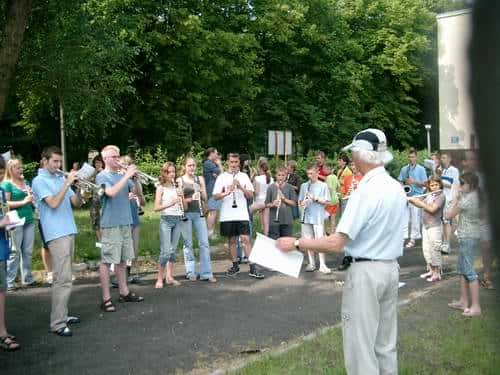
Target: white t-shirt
x,y
169,194
261,182
450,175
223,183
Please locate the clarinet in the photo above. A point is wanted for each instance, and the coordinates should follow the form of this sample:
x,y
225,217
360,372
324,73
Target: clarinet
x,y
180,193
197,189
279,198
305,206
234,205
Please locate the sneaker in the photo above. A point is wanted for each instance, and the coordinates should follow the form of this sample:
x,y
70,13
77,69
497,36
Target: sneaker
x,y
324,269
310,267
134,279
49,279
254,272
445,248
410,244
233,271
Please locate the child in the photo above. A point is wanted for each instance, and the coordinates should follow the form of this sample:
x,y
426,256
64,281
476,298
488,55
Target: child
x,y
280,199
313,197
466,206
333,186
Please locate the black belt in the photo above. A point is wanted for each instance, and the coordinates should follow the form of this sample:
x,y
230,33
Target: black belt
x,y
346,262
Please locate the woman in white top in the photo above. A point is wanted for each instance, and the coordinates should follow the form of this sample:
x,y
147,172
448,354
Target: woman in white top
x,y
169,203
261,183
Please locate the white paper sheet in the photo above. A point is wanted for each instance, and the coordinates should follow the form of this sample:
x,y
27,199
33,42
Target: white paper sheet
x,y
266,254
14,219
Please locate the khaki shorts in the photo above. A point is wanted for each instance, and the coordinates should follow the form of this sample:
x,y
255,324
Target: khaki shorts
x,y
117,245
3,276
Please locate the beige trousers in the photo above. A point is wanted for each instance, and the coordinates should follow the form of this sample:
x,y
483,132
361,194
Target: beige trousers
x,y
431,245
61,250
369,318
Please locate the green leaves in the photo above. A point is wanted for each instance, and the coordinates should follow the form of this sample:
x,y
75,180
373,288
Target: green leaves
x,y
224,72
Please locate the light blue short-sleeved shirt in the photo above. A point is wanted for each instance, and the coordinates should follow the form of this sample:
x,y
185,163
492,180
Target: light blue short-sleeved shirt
x,y
117,210
56,222
374,217
315,212
417,173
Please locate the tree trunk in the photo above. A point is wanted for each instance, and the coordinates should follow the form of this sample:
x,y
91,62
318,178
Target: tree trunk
x,y
17,13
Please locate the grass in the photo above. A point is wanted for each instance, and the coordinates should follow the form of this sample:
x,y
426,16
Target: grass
x,y
433,340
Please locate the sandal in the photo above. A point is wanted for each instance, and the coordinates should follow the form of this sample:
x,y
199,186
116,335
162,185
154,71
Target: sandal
x,y
130,297
159,285
456,305
107,306
8,344
487,284
173,283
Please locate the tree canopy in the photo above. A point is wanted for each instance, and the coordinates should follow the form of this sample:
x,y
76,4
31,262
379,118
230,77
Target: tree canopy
x,y
219,73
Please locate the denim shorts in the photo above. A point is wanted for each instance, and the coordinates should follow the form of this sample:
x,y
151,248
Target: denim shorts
x,y
467,250
214,205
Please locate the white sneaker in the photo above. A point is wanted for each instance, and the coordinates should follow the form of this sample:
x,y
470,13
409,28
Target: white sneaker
x,y
49,278
210,232
324,269
310,267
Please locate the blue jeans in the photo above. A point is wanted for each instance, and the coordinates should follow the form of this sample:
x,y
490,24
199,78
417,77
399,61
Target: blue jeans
x,y
467,249
23,239
170,231
200,227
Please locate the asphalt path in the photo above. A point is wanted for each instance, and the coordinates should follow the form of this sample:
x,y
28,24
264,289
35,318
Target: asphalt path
x,y
178,329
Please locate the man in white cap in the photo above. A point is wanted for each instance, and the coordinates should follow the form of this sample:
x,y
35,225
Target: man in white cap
x,y
371,234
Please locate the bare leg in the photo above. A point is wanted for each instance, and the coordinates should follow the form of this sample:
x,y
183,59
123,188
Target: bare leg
x,y
3,329
121,277
212,216
464,292
104,277
232,248
46,259
475,308
245,241
98,235
170,275
159,277
264,217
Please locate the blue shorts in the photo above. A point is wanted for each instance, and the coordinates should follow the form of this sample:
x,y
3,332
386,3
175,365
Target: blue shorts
x,y
214,205
467,249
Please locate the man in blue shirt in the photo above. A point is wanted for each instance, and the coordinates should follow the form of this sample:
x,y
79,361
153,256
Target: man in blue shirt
x,y
414,176
116,220
55,200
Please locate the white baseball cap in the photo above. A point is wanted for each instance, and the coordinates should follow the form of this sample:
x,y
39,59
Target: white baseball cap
x,y
371,140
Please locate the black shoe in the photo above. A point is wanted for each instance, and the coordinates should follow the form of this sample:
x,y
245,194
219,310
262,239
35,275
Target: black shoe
x,y
64,332
244,260
233,271
255,273
343,267
238,259
72,320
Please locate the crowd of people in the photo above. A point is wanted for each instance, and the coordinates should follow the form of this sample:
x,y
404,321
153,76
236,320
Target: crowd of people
x,y
232,195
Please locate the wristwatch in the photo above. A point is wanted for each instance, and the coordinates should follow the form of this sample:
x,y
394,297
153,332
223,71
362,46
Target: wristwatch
x,y
296,243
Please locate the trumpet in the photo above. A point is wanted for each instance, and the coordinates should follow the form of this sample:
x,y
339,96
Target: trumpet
x,y
84,184
144,178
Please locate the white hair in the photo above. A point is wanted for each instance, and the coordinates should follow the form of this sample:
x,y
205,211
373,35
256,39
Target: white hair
x,y
370,157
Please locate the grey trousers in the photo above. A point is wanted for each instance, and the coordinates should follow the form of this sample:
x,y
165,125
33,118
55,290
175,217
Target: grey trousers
x,y
61,251
369,318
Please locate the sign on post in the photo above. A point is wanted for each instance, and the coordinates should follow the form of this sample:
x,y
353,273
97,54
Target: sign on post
x,y
279,142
